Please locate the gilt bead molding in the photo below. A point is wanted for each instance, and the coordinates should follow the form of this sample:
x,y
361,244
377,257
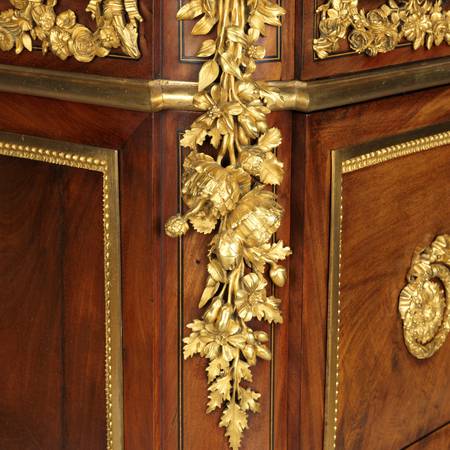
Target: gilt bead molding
x,y
30,21
231,195
423,23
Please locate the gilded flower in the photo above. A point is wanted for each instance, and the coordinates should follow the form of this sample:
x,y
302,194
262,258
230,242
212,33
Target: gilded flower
x,y
20,4
109,37
359,40
219,111
210,190
44,16
249,42
6,40
254,346
213,341
83,44
330,27
256,217
66,20
415,29
252,294
377,18
176,226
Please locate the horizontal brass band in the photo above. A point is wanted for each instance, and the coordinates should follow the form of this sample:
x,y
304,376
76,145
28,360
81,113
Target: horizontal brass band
x,y
158,95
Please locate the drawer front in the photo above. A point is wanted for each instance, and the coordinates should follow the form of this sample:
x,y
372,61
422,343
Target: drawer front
x,y
348,36
439,440
390,201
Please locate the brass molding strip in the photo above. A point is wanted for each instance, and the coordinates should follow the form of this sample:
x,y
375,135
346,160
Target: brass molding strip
x,y
159,95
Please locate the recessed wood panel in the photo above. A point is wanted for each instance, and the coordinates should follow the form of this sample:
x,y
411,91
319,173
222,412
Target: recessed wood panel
x,y
387,398
185,422
52,310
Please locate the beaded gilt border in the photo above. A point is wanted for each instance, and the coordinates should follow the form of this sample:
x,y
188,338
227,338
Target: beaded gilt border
x,y
105,162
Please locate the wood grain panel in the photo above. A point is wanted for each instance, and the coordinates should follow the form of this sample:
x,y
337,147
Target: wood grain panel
x,y
438,440
384,222
143,374
84,311
31,328
52,319
184,277
324,132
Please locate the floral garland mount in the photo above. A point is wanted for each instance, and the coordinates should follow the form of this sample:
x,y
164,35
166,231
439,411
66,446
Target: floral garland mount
x,y
61,34
423,23
228,194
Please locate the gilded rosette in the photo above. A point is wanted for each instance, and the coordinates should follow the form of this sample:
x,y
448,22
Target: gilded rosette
x,y
228,194
423,23
424,302
61,34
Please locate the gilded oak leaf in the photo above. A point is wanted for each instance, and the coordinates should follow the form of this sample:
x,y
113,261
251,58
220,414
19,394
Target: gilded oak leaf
x,y
249,400
269,310
243,371
271,171
234,419
222,386
270,140
215,368
193,137
215,401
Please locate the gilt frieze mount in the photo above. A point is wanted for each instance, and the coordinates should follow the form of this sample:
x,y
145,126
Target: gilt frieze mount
x,y
29,22
344,23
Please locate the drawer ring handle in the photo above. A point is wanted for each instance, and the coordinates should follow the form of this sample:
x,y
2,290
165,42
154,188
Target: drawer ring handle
x,y
424,303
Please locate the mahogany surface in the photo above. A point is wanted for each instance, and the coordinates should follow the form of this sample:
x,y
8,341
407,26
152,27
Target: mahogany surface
x,y
51,308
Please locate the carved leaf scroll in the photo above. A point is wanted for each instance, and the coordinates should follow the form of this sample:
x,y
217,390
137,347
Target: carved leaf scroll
x,y
229,195
424,23
36,20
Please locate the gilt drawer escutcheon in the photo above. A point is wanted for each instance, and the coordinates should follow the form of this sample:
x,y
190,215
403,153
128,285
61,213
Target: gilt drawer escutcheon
x,y
421,22
30,20
229,191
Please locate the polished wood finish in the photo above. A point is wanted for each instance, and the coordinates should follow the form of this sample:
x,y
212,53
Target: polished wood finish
x,y
437,440
383,224
52,308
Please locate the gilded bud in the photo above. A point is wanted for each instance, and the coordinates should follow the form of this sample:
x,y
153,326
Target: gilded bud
x,y
213,311
263,352
224,317
176,226
278,275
